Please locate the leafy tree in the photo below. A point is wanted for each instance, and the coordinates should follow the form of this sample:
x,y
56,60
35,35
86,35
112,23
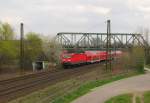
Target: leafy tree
x,y
33,47
6,31
9,47
9,53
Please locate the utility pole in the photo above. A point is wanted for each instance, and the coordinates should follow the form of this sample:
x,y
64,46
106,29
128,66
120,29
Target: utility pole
x,y
22,47
108,47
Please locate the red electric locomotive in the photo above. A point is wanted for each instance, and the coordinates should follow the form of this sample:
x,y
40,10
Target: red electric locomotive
x,y
69,59
73,58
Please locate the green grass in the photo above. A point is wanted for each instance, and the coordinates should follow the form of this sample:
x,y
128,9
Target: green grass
x,y
138,100
125,98
87,88
147,97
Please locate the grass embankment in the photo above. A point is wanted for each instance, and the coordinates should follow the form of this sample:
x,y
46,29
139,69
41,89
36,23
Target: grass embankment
x,y
147,97
67,91
129,98
87,88
126,98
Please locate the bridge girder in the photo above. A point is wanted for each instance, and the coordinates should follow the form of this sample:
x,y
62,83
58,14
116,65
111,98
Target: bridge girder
x,y
70,40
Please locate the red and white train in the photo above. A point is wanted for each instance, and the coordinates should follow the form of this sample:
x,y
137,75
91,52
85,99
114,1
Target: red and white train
x,y
69,59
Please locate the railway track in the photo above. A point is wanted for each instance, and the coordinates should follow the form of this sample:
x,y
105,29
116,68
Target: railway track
x,y
13,88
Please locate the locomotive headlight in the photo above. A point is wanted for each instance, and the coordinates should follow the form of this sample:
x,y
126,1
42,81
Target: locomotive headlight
x,y
69,60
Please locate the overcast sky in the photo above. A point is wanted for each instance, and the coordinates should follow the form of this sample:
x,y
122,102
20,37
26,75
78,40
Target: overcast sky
x,y
52,16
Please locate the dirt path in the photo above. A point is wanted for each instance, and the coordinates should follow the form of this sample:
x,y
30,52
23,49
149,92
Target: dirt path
x,y
129,85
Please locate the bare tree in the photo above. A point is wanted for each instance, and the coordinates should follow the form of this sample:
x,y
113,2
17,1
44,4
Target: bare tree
x,y
52,50
145,32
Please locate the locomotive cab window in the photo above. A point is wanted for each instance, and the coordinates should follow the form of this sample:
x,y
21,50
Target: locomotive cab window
x,y
67,56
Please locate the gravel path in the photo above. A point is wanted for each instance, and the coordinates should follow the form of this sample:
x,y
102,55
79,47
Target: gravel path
x,y
128,85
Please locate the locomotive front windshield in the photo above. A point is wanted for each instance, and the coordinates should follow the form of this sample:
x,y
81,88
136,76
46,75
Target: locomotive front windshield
x,y
67,56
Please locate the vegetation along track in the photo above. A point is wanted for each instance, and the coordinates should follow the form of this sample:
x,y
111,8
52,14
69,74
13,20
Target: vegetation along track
x,y
13,88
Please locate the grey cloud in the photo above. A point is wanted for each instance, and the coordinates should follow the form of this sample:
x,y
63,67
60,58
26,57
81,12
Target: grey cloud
x,y
52,16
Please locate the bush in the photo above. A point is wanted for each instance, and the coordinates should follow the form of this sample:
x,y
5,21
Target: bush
x,y
52,51
133,59
137,56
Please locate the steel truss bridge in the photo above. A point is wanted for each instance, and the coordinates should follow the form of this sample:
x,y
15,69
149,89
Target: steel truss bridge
x,y
95,41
